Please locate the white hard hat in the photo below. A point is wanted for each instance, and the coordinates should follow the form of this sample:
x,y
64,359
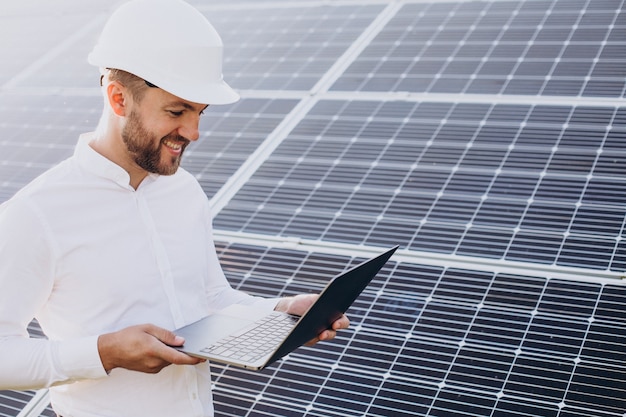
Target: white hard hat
x,y
169,44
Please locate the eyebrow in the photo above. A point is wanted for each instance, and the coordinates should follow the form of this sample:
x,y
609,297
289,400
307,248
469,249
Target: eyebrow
x,y
186,105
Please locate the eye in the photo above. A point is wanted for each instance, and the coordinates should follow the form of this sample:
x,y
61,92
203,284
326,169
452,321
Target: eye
x,y
175,113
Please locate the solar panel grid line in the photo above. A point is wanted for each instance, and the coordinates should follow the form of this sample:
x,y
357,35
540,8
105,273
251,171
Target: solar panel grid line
x,y
603,341
489,51
308,380
593,389
302,62
394,317
379,360
343,353
476,98
260,396
36,405
356,48
423,257
543,336
233,404
495,328
282,4
570,298
14,401
539,82
592,168
542,380
355,188
451,401
577,343
532,193
558,60
394,399
53,54
360,388
546,181
289,379
207,162
490,182
248,386
580,291
249,167
455,47
549,67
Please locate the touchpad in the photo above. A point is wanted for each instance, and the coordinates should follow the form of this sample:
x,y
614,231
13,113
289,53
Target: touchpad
x,y
205,332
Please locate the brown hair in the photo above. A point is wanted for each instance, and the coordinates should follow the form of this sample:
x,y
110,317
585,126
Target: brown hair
x,y
136,85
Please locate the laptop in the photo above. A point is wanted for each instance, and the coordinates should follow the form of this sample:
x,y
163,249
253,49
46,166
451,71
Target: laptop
x,y
237,336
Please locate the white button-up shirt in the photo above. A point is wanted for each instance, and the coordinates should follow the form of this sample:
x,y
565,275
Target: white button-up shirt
x,y
86,254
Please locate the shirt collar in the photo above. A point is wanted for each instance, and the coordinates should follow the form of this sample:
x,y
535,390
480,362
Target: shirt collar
x,y
93,162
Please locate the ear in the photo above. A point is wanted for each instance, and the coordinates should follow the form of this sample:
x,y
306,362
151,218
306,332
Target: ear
x,y
118,98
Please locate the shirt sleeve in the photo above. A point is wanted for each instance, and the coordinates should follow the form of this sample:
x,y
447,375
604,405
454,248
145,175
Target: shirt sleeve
x,y
220,294
26,281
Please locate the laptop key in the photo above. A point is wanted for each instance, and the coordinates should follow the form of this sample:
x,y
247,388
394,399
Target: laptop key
x,y
252,341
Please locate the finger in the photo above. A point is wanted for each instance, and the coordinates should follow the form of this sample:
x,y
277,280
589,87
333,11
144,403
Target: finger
x,y
180,358
166,352
327,335
165,336
312,342
341,323
301,303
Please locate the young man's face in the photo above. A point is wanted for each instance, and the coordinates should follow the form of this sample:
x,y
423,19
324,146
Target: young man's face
x,y
158,130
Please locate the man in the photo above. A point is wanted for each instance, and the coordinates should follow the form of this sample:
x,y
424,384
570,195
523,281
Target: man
x,y
113,248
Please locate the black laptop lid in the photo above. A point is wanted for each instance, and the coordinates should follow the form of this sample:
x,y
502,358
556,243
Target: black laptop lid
x,y
333,301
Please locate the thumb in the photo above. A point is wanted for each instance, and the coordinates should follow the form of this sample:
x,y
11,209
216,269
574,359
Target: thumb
x,y
166,336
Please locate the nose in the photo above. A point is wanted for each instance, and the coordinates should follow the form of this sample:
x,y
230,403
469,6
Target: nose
x,y
190,129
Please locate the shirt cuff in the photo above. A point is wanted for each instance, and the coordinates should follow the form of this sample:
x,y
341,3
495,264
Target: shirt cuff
x,y
79,359
264,305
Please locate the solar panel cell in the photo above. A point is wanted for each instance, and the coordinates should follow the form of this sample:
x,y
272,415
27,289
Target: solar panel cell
x,y
539,378
604,343
590,252
516,407
589,381
496,212
401,398
437,237
450,402
542,248
426,360
487,242
498,329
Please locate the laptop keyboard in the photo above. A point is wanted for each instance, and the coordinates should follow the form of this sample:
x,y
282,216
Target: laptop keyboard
x,y
255,341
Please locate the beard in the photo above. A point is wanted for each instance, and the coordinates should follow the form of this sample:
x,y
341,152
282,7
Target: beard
x,y
145,148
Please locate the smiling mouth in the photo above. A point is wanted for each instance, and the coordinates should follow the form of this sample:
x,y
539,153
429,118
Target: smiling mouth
x,y
174,145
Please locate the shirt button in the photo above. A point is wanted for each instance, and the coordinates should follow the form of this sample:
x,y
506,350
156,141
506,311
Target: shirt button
x,y
194,396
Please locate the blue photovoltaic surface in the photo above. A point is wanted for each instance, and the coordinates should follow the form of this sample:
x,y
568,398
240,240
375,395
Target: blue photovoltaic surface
x,y
561,48
498,181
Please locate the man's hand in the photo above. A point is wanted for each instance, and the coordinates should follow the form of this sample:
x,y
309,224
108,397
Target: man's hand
x,y
299,304
143,348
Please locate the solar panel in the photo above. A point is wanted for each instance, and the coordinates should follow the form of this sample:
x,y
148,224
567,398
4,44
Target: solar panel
x,y
424,337
452,183
517,47
487,138
289,47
